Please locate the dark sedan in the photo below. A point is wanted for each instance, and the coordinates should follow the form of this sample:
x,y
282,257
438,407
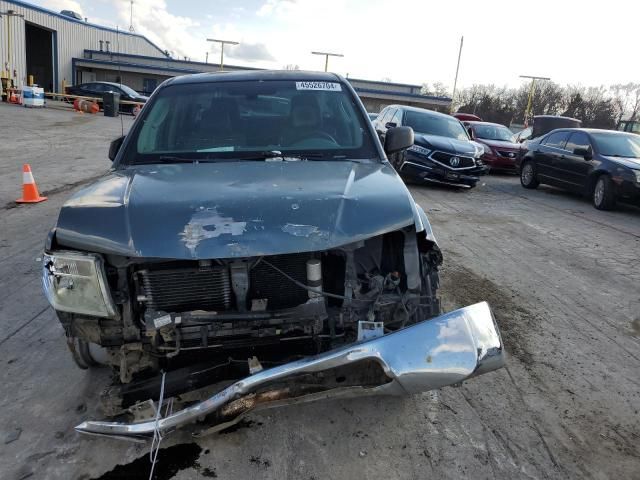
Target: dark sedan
x,y
500,151
98,89
442,152
602,164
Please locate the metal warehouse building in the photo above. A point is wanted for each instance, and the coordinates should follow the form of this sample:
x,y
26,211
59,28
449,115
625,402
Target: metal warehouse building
x,y
57,49
39,42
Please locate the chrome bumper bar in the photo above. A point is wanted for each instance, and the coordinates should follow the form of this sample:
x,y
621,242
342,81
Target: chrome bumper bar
x,y
435,353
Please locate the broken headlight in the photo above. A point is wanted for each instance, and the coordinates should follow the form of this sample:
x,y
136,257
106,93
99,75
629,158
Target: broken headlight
x,y
76,282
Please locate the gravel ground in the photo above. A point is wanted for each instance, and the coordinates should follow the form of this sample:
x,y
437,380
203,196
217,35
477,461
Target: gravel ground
x,y
563,280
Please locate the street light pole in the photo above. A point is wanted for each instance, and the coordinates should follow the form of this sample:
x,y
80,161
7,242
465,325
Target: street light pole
x,y
326,58
531,92
455,81
222,44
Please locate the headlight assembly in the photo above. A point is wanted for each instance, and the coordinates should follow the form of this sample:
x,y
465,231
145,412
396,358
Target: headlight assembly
x,y
76,282
637,174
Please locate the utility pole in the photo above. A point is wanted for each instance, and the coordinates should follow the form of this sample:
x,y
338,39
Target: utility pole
x,y
531,92
131,29
326,57
455,81
222,44
206,58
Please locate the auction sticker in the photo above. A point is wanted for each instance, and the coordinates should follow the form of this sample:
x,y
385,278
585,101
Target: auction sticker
x,y
326,86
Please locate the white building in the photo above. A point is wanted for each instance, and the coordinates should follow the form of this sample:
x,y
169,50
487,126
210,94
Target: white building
x,y
39,42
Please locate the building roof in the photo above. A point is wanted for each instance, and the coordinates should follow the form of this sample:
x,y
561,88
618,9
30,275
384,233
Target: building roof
x,y
177,61
82,22
386,83
416,96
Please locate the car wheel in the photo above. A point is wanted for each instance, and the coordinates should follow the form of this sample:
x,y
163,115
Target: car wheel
x,y
528,177
603,196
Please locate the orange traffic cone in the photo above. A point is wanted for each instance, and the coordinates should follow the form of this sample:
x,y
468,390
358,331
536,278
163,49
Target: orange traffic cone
x,y
30,192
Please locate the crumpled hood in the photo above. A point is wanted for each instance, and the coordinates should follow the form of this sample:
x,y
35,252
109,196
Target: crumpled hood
x,y
633,163
445,144
234,209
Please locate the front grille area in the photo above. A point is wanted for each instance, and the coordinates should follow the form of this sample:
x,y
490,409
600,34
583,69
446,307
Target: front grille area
x,y
189,288
279,291
447,159
185,286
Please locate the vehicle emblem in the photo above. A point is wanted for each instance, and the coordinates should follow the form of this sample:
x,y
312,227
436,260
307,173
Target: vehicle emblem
x,y
455,161
511,154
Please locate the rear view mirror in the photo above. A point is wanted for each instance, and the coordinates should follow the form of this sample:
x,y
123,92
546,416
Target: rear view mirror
x,y
398,138
470,132
114,148
583,152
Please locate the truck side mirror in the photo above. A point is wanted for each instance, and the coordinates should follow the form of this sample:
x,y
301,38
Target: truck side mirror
x,y
398,138
114,148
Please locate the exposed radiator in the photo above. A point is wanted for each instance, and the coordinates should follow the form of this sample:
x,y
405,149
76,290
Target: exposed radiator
x,y
280,292
183,289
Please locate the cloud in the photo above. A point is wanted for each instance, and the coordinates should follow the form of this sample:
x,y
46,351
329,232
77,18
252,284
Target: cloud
x,y
59,5
174,33
278,7
250,52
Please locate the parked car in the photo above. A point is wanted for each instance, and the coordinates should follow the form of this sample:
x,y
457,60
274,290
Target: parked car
x,y
276,250
467,117
98,89
602,164
442,152
500,151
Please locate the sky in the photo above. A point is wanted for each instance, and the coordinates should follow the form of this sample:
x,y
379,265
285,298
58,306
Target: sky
x,y
407,41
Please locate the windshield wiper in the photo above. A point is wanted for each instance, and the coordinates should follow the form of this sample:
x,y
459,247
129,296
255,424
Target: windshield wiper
x,y
278,156
164,159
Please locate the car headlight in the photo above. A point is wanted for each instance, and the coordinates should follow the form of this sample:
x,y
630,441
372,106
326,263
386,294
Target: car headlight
x,y
76,282
419,150
637,174
479,149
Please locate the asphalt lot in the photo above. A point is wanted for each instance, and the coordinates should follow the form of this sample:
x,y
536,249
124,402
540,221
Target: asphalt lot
x,y
563,280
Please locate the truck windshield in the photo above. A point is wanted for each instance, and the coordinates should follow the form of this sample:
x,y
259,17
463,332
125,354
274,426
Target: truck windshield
x,y
435,125
227,120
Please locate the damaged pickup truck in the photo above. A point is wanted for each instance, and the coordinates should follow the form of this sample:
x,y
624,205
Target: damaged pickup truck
x,y
250,247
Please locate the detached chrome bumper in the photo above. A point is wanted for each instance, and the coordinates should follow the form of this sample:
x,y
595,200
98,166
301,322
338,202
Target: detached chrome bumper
x,y
442,351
